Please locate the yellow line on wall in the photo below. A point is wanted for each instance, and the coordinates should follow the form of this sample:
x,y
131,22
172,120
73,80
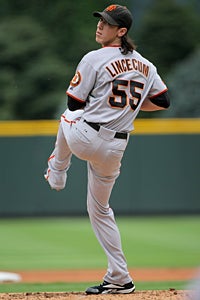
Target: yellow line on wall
x,y
167,126
142,126
28,128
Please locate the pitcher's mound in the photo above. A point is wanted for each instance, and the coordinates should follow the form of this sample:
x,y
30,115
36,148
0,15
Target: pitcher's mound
x,y
138,295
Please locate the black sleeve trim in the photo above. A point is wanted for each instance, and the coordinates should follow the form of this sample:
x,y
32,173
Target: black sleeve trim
x,y
161,100
73,104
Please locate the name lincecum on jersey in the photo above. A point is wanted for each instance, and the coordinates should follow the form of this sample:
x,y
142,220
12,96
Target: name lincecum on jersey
x,y
126,65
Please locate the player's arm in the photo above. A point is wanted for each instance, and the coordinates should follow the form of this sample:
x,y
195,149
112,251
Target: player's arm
x,y
74,104
75,109
158,102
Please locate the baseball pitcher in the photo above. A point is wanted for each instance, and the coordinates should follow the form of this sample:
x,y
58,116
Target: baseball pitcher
x,y
110,86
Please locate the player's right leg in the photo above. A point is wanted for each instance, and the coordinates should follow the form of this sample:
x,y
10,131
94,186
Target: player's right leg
x,y
104,225
58,163
102,173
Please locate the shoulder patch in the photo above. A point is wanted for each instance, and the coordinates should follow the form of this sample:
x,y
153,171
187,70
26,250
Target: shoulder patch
x,y
76,79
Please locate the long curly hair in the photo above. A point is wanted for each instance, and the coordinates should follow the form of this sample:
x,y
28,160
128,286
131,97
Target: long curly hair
x,y
127,44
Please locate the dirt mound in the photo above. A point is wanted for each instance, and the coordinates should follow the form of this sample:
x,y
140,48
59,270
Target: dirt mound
x,y
138,295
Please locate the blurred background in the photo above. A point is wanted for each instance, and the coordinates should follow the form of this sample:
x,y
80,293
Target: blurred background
x,y
41,43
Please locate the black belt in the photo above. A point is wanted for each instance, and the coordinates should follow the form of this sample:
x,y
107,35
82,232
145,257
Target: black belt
x,y
118,135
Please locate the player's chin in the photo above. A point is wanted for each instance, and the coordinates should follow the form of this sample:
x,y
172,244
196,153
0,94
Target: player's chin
x,y
98,39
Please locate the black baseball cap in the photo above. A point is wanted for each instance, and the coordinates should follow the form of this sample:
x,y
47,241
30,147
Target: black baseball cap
x,y
116,15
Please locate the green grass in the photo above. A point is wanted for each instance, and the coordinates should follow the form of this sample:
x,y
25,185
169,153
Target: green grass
x,y
70,243
48,244
80,287
161,242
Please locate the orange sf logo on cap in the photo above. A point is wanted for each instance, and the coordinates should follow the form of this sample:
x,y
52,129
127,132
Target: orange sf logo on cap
x,y
111,7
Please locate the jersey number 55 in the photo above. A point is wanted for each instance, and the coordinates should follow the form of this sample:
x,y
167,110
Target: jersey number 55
x,y
121,89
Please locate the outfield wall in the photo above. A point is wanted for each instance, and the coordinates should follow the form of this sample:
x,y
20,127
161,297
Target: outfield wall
x,y
160,171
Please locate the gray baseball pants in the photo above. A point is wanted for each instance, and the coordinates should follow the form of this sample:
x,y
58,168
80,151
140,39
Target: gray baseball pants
x,y
103,154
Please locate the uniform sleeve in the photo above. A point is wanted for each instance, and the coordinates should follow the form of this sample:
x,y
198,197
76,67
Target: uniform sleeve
x,y
83,81
161,100
158,86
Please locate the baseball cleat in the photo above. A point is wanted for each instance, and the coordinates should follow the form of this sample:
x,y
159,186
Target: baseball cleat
x,y
56,179
111,288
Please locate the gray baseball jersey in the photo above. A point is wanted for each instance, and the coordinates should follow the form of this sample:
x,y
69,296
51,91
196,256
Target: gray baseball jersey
x,y
114,86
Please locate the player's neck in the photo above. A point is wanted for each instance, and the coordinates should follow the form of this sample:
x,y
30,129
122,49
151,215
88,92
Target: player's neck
x,y
112,45
114,42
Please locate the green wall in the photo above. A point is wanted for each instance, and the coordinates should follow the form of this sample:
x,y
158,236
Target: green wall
x,y
159,174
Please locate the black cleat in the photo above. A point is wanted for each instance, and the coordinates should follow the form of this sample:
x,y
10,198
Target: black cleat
x,y
111,288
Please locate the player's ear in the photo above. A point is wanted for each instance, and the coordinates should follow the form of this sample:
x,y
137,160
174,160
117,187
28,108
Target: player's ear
x,y
122,31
